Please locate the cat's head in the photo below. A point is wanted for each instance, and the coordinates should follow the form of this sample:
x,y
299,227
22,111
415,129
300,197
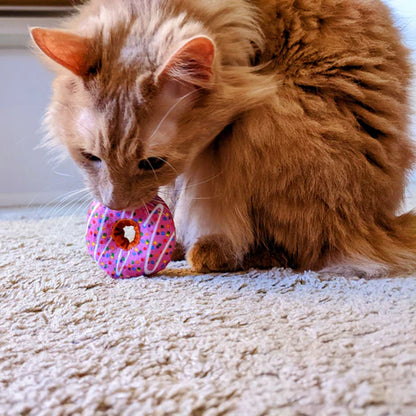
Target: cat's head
x,y
120,121
139,93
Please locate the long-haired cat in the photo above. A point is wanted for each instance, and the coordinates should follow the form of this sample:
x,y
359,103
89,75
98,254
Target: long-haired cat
x,y
277,127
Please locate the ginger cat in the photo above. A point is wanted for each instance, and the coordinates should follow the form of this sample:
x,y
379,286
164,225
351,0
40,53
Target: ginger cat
x,y
277,130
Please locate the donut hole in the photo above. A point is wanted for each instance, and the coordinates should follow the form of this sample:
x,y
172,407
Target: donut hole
x,y
129,233
126,234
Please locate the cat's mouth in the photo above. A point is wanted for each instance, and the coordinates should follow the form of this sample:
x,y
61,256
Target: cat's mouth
x,y
123,207
124,199
129,206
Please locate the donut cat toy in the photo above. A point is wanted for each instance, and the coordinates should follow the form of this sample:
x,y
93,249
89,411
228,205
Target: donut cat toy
x,y
146,250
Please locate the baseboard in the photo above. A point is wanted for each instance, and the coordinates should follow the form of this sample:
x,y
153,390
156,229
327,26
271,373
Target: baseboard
x,y
35,198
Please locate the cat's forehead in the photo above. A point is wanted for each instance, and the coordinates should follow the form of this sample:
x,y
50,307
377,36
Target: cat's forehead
x,y
117,75
116,102
110,135
143,33
120,90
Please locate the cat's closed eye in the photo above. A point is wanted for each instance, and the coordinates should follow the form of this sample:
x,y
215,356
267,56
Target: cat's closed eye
x,y
90,157
152,163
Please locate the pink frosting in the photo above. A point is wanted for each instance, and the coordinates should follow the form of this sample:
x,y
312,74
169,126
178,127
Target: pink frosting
x,y
153,250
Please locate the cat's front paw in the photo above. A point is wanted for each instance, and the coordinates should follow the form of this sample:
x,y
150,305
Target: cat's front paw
x,y
212,253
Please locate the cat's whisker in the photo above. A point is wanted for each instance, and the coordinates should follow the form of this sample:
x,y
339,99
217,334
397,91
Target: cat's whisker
x,y
167,163
69,196
143,204
187,187
83,206
154,173
54,212
50,206
62,206
66,209
204,198
65,196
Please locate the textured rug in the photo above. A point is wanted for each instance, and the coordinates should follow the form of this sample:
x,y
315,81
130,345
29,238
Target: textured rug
x,y
75,342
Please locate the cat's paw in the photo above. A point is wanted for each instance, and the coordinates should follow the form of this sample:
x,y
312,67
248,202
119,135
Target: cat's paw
x,y
212,253
179,252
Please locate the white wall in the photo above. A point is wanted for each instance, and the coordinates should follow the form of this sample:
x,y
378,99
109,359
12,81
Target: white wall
x,y
26,174
404,12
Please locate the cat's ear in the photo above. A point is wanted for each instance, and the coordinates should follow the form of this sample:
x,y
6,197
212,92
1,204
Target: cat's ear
x,y
71,51
192,63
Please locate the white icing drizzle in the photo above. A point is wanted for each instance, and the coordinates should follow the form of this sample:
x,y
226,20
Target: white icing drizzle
x,y
147,270
119,269
105,248
97,204
99,234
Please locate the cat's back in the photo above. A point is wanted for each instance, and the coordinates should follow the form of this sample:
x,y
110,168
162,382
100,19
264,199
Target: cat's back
x,y
317,36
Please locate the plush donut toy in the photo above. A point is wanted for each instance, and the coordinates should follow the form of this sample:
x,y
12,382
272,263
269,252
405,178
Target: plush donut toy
x,y
146,249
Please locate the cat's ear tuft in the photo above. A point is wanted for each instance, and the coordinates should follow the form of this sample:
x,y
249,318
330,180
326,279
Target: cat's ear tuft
x,y
71,51
192,63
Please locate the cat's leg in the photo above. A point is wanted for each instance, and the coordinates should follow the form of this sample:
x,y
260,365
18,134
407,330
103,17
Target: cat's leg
x,y
213,253
216,233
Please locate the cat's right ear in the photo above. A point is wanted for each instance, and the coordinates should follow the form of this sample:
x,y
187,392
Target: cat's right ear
x,y
191,64
71,51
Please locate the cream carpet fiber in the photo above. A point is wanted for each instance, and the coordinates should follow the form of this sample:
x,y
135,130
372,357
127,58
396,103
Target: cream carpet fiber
x,y
75,342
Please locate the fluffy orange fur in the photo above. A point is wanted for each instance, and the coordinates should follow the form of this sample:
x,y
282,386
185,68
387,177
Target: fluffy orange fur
x,y
281,126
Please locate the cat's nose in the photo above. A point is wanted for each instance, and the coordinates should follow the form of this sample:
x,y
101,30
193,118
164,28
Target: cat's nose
x,y
114,199
115,204
115,207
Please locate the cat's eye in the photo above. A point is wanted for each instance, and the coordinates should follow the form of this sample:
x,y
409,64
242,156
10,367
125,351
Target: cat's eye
x,y
90,157
152,163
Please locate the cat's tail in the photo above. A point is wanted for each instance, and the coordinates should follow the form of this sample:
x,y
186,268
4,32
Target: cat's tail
x,y
388,250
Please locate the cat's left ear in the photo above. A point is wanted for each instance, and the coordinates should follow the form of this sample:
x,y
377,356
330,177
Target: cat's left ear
x,y
67,49
192,63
